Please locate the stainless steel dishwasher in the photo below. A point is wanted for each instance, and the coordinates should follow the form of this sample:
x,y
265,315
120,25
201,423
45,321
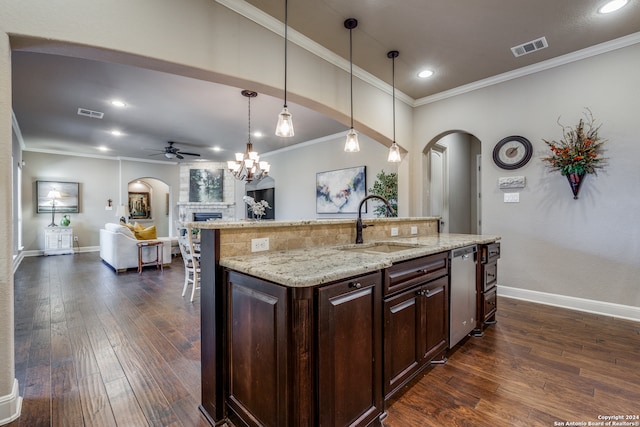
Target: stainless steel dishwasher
x,y
462,308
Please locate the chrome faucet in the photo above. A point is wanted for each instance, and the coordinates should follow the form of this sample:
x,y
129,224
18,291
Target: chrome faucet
x,y
359,225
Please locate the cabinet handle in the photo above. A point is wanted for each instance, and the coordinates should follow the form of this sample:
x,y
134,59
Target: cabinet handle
x,y
422,271
491,275
356,285
423,292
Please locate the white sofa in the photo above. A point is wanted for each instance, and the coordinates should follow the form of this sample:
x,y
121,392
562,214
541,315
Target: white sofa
x,y
119,249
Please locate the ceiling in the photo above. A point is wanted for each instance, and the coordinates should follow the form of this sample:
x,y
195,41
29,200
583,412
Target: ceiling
x,y
462,41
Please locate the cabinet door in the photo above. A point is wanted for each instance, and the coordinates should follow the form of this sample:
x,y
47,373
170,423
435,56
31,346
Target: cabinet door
x,y
349,352
257,350
435,317
402,356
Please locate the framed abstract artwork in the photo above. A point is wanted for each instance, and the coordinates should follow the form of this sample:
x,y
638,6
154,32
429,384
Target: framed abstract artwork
x,y
340,191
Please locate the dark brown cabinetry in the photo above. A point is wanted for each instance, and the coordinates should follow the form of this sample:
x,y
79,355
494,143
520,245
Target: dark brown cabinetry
x,y
416,316
350,352
487,281
304,356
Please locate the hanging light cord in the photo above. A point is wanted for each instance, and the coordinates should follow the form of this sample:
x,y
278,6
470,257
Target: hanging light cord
x,y
393,91
249,121
286,26
351,70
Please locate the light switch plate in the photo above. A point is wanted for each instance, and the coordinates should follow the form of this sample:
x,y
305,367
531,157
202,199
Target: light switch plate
x,y
414,230
511,197
394,231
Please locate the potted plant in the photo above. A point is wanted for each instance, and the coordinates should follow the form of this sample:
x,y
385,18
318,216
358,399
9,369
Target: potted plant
x,y
578,152
386,185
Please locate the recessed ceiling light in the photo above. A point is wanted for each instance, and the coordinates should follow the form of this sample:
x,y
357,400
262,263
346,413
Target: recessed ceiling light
x,y
612,6
118,103
216,148
116,133
258,134
103,148
425,74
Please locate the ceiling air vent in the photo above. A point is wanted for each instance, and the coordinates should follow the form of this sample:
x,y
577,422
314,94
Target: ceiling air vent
x,y
529,47
90,113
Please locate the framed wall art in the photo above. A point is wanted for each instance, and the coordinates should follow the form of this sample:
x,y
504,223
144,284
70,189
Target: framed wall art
x,y
205,185
139,205
58,195
340,191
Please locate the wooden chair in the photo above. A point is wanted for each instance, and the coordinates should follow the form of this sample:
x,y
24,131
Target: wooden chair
x,y
191,261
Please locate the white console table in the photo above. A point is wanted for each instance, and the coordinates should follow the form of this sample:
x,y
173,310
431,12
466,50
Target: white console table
x,y
58,240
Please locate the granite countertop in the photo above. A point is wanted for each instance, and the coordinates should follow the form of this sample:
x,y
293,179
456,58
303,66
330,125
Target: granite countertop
x,y
316,266
220,224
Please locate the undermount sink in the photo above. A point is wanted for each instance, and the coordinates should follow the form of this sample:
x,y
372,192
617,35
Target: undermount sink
x,y
380,248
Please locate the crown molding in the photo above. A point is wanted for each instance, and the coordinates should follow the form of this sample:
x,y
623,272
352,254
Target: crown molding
x,y
259,17
578,55
254,14
97,156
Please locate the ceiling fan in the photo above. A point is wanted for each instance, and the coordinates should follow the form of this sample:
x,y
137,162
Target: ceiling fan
x,y
171,152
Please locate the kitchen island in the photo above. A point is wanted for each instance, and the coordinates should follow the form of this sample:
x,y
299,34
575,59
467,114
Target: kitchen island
x,y
296,337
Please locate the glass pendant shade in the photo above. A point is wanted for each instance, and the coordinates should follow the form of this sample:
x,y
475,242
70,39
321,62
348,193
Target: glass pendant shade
x,y
284,128
352,145
394,153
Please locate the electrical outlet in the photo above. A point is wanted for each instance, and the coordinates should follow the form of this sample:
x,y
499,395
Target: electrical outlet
x,y
259,245
394,231
414,230
75,238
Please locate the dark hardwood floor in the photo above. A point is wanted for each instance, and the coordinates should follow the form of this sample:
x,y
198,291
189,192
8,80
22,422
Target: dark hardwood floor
x,y
98,349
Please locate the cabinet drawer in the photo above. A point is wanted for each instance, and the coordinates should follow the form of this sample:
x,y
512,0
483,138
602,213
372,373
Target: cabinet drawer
x,y
490,278
408,273
490,301
489,253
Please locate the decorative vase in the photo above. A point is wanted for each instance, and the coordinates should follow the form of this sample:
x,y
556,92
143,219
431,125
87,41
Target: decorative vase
x,y
65,221
575,181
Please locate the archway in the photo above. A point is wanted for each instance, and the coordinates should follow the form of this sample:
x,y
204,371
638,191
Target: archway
x,y
149,203
451,170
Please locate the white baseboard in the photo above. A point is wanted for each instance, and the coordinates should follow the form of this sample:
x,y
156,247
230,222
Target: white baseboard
x,y
17,260
10,405
40,252
590,306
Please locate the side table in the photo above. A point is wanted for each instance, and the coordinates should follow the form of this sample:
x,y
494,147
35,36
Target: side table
x,y
158,261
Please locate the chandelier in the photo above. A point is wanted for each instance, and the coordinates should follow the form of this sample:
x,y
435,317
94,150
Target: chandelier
x,y
247,166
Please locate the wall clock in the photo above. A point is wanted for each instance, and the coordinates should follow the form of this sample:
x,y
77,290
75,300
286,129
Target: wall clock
x,y
512,152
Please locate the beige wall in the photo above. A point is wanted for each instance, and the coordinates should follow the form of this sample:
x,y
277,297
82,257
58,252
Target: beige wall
x,y
586,248
99,180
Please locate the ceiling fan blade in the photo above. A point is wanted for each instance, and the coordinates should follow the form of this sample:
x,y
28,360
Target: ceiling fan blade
x,y
189,154
179,156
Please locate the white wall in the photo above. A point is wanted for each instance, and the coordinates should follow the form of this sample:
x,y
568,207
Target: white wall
x,y
294,172
586,248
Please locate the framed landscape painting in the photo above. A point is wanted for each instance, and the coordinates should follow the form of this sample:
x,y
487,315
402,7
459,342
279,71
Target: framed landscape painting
x,y
205,185
340,191
66,200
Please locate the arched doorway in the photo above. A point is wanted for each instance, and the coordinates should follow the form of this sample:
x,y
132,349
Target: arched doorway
x,y
452,182
148,203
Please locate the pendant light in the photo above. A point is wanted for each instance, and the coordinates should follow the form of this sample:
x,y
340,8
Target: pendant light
x,y
394,150
247,166
284,128
351,145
